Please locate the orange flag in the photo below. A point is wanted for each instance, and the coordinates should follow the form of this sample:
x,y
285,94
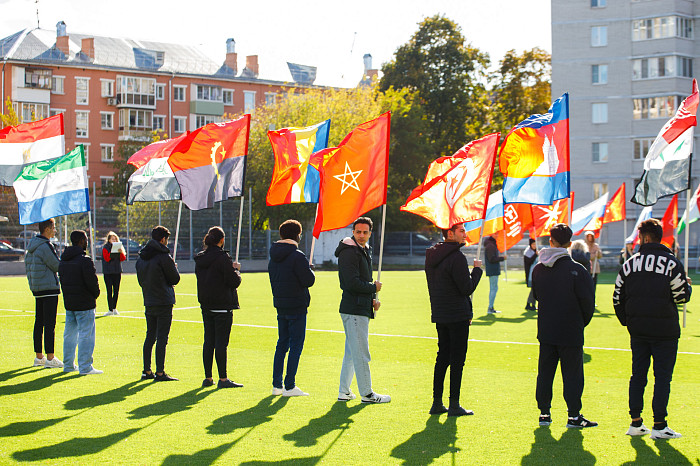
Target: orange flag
x,y
670,222
354,175
545,217
517,218
616,209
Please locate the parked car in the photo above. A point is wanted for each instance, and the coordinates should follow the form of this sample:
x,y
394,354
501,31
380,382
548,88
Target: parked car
x,y
399,243
22,241
8,253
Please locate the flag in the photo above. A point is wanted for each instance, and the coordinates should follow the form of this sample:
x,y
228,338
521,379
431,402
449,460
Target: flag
x,y
545,217
670,223
456,188
154,179
691,213
645,214
667,164
534,157
209,163
517,218
53,187
493,220
354,175
616,209
28,143
590,216
295,178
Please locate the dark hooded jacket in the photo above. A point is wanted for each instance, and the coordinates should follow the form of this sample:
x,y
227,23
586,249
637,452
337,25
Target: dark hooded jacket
x,y
290,278
157,274
493,259
217,280
78,280
355,274
450,284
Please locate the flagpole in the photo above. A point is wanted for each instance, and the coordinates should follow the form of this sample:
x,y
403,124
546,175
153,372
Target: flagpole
x,y
177,229
92,245
481,238
505,261
381,245
240,221
313,240
687,239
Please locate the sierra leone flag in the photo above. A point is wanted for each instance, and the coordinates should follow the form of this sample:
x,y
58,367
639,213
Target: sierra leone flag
x,y
54,187
667,165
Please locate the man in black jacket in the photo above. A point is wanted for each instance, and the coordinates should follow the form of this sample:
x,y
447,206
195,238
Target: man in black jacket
x,y
291,276
80,292
564,290
157,275
357,305
647,292
450,286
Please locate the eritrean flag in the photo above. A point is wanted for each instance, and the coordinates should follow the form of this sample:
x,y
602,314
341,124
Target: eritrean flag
x,y
534,157
296,177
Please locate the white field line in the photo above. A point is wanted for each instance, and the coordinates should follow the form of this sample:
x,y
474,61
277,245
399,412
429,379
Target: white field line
x,y
372,334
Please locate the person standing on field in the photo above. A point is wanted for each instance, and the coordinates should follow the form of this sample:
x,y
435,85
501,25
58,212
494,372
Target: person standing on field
x,y
596,256
493,269
529,261
112,271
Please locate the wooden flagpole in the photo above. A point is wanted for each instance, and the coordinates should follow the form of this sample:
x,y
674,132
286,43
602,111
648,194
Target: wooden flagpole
x,y
177,229
240,223
313,239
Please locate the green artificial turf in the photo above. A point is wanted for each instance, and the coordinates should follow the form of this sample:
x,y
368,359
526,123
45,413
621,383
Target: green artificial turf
x,y
53,418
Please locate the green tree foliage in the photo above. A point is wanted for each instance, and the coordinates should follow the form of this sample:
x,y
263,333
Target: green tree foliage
x,y
9,117
449,78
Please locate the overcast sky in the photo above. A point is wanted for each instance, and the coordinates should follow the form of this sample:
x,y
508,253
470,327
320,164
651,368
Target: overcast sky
x,y
332,35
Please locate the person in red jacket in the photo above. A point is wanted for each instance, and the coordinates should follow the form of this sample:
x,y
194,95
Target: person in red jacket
x,y
112,271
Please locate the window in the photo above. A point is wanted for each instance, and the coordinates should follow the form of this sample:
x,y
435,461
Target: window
x,y
600,152
599,113
57,84
208,93
107,151
134,91
599,189
179,124
270,98
599,36
160,91
82,91
107,120
598,3
56,111
201,120
106,182
81,124
131,119
159,122
27,111
37,79
179,93
228,96
654,107
249,102
107,86
664,26
599,74
641,148
659,67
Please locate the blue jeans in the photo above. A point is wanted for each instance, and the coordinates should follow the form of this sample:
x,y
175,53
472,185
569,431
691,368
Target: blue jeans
x,y
356,358
79,331
292,331
493,289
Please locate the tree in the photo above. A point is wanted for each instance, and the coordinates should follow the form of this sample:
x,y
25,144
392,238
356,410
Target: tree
x,y
10,118
449,78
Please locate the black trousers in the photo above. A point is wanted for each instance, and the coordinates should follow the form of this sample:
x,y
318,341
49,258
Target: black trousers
x,y
664,354
217,330
112,281
45,323
571,358
452,351
158,321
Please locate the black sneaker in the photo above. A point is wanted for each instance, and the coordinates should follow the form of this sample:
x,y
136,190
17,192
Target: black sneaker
x,y
164,378
459,411
580,421
207,383
228,383
147,376
545,419
438,408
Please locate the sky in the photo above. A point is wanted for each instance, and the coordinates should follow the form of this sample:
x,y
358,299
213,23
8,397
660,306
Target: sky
x,y
332,35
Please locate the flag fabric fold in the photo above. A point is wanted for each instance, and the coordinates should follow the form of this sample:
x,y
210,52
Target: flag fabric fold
x,y
667,164
456,188
295,176
534,157
50,188
645,214
517,218
692,211
493,219
616,209
590,216
545,217
670,223
153,180
28,143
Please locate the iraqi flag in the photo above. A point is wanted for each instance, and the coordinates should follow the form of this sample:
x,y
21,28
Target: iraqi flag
x,y
28,143
667,165
153,179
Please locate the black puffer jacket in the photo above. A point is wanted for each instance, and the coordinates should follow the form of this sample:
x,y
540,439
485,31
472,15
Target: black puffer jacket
x,y
290,278
355,274
449,283
647,292
217,280
157,274
78,280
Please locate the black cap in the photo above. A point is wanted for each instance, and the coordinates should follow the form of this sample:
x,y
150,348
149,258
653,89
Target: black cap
x,y
561,233
533,240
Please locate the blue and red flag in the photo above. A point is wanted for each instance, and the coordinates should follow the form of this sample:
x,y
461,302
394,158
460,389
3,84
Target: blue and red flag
x,y
534,157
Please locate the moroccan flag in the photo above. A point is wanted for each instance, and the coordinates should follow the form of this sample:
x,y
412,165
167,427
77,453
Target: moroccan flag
x,y
670,222
645,214
295,178
590,216
154,179
517,218
667,165
616,209
545,217
456,188
493,220
209,163
354,175
28,143
692,211
534,157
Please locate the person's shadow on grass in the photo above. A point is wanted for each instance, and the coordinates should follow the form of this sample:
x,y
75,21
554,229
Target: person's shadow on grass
x,y
116,395
5,376
36,384
28,427
337,418
251,417
490,319
74,447
172,405
646,455
206,456
311,461
431,443
567,450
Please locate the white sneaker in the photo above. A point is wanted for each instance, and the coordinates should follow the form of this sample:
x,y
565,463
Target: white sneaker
x,y
276,391
296,391
108,313
664,433
92,372
115,312
376,398
40,362
346,396
636,431
54,363
68,368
